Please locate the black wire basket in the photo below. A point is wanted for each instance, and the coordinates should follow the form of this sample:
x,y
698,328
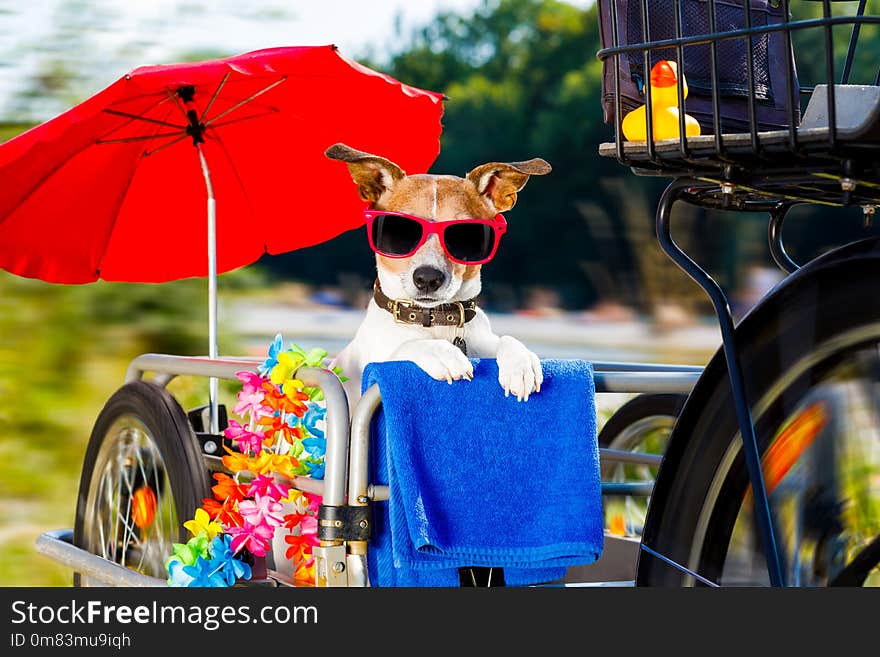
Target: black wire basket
x,y
741,61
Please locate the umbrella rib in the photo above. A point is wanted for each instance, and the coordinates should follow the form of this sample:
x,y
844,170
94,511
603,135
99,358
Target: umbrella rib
x,y
245,118
245,101
125,123
214,97
149,137
173,97
166,145
126,140
143,118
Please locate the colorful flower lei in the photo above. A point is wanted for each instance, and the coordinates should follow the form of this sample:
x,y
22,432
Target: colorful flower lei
x,y
279,433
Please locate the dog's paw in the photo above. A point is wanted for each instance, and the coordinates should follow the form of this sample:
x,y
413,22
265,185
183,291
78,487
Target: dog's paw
x,y
519,370
440,359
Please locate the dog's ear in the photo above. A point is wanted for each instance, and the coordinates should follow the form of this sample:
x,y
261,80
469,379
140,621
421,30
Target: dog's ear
x,y
500,181
373,174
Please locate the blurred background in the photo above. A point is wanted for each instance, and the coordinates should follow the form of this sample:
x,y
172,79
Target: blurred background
x,y
579,274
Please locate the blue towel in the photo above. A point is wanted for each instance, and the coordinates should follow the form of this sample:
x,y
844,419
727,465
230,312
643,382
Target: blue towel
x,y
480,479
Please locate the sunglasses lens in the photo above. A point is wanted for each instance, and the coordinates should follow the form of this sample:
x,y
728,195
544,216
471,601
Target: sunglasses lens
x,y
469,242
395,236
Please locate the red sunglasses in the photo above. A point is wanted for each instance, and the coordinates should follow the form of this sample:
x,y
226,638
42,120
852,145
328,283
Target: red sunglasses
x,y
466,241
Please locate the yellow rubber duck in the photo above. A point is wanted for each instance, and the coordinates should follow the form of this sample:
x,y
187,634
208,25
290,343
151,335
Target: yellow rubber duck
x,y
664,105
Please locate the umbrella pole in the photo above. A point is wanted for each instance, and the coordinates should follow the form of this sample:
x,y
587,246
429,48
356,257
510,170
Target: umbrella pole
x,y
212,290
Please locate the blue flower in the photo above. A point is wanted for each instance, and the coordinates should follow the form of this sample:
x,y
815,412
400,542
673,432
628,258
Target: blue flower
x,y
314,414
274,349
204,575
316,468
224,562
176,575
315,447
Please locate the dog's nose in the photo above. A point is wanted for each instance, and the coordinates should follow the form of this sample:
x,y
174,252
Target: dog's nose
x,y
428,279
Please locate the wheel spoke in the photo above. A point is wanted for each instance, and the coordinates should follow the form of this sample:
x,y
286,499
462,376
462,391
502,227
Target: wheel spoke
x,y
131,536
161,526
102,503
148,531
125,473
114,464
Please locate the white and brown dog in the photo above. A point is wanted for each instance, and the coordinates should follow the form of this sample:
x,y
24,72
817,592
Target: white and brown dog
x,y
431,235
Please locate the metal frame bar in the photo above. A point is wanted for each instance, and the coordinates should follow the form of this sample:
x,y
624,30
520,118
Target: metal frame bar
x,y
213,349
609,376
58,545
645,382
623,456
676,191
735,34
628,488
774,238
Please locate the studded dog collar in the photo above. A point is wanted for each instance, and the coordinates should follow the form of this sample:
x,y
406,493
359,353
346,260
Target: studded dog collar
x,y
406,311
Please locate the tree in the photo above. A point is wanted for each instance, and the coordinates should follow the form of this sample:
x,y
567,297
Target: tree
x,y
523,81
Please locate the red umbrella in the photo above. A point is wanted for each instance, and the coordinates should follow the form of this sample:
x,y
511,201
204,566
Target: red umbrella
x,y
113,188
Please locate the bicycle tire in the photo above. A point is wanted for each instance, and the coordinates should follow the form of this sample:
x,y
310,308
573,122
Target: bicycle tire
x,y
141,440
701,482
643,423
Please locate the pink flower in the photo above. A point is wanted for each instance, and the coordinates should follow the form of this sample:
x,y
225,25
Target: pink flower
x,y
262,510
266,486
250,382
257,539
314,502
308,526
248,441
251,403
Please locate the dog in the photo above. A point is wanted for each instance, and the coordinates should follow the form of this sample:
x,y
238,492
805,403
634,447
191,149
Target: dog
x,y
428,264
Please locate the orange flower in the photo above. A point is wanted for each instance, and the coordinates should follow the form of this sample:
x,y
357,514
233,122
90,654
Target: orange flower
x,y
282,403
267,463
227,488
224,513
295,399
291,520
263,463
300,547
282,464
304,575
274,424
235,461
273,399
212,507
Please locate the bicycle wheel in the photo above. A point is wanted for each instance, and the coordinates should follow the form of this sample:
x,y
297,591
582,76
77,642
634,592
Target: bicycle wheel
x,y
642,424
811,360
142,477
